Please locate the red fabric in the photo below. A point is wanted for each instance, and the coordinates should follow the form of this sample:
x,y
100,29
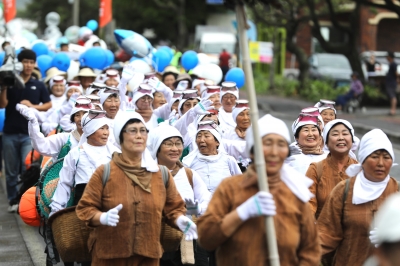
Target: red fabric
x,y
105,15
224,59
9,10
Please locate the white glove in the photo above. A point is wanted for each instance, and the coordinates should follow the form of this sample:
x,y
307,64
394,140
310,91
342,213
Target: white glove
x,y
202,107
373,237
173,117
261,204
157,84
188,227
192,207
127,73
202,209
111,218
26,112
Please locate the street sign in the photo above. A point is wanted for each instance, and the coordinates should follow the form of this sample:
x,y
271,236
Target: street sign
x,y
261,52
215,2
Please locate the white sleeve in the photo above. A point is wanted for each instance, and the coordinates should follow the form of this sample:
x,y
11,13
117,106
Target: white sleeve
x,y
201,192
182,124
235,148
65,109
168,94
66,182
122,95
234,167
163,111
66,125
49,146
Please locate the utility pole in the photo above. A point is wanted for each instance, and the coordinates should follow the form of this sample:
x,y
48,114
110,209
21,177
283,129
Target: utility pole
x,y
75,12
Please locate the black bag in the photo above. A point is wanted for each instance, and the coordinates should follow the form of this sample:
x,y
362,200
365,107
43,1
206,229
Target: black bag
x,y
30,177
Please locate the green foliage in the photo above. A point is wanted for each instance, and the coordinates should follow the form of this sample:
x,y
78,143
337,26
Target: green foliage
x,y
321,89
374,93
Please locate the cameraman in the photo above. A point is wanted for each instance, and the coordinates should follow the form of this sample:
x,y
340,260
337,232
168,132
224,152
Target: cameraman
x,y
16,141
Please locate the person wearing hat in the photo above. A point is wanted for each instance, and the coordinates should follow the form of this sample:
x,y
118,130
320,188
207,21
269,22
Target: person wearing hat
x,y
128,207
345,220
229,94
86,76
169,76
356,89
15,139
234,222
52,72
109,78
183,82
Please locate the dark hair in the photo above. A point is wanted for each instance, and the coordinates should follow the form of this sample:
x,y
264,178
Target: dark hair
x,y
63,44
130,121
296,135
167,74
340,123
27,54
390,54
187,100
159,148
4,44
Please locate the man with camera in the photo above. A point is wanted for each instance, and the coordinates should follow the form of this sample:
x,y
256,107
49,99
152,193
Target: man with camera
x,y
16,141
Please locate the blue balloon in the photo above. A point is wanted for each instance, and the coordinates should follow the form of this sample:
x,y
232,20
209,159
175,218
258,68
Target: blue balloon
x,y
168,50
236,75
44,62
92,24
189,60
94,57
61,40
61,61
110,58
2,55
52,53
40,48
161,60
2,117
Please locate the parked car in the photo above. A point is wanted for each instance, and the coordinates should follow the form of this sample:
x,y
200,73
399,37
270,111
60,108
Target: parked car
x,y
330,66
383,65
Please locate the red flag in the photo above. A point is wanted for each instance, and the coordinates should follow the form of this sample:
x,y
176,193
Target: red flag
x,y
105,12
9,10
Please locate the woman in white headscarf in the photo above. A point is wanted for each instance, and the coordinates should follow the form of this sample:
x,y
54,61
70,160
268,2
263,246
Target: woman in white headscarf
x,y
166,145
81,162
57,89
345,220
210,160
234,222
111,102
229,94
109,78
212,93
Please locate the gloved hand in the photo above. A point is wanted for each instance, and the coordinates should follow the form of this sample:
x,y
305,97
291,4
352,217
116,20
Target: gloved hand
x,y
26,112
127,73
111,218
261,204
188,227
157,84
202,107
192,207
373,237
173,117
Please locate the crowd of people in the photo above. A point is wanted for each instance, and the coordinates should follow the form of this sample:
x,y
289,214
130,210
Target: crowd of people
x,y
177,150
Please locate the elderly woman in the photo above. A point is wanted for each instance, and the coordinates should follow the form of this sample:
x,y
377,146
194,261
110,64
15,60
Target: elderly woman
x,y
166,145
159,99
308,138
57,90
344,222
209,160
212,93
326,110
229,94
126,209
234,222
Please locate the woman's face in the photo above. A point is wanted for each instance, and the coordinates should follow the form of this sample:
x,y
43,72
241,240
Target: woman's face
x,y
159,100
78,119
276,150
86,81
206,143
189,104
377,165
215,99
169,81
58,89
72,91
308,136
243,119
99,137
111,106
228,102
340,139
111,82
144,103
175,106
134,138
328,115
170,150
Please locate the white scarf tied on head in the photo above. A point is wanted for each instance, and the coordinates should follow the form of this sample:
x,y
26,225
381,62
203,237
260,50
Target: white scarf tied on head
x,y
365,190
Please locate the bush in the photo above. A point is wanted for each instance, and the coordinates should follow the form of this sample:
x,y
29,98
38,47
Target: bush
x,y
315,90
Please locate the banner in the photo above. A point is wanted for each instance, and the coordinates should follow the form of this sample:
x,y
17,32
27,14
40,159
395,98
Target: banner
x,y
105,14
9,10
261,52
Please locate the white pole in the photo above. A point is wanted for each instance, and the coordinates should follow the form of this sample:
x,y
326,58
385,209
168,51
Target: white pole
x,y
258,151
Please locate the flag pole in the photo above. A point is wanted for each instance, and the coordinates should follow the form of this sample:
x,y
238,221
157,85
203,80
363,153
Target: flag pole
x,y
258,151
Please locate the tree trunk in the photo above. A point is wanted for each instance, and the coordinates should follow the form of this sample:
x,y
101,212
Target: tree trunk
x,y
272,66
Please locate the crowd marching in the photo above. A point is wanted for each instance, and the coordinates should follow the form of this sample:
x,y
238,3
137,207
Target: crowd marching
x,y
170,158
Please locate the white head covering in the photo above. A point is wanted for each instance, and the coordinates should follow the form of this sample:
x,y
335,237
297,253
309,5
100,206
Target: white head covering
x,y
183,100
197,82
52,82
206,95
89,127
235,93
79,87
158,135
120,121
321,107
295,181
333,123
374,140
237,110
296,125
104,95
142,90
76,107
387,220
102,78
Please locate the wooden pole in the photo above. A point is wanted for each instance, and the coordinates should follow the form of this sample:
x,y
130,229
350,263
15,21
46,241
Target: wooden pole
x,y
258,151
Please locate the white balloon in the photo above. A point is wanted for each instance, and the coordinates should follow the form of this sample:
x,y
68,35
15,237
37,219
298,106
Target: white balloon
x,y
134,83
198,71
72,34
73,70
141,66
93,39
52,19
203,59
212,72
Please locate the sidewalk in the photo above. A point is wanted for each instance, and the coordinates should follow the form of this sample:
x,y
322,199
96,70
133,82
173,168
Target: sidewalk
x,y
289,108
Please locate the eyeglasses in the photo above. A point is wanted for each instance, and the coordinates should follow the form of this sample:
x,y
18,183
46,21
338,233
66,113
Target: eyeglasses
x,y
242,103
150,75
94,114
228,86
326,103
204,125
135,131
146,99
170,144
229,97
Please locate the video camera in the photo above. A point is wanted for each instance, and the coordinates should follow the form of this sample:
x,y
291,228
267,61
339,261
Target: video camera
x,y
9,71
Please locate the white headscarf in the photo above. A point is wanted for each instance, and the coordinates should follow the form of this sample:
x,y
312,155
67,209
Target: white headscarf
x,y
51,82
295,181
333,123
206,95
182,101
237,110
89,126
387,220
79,87
138,94
321,109
120,121
158,135
296,125
235,93
197,82
104,95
